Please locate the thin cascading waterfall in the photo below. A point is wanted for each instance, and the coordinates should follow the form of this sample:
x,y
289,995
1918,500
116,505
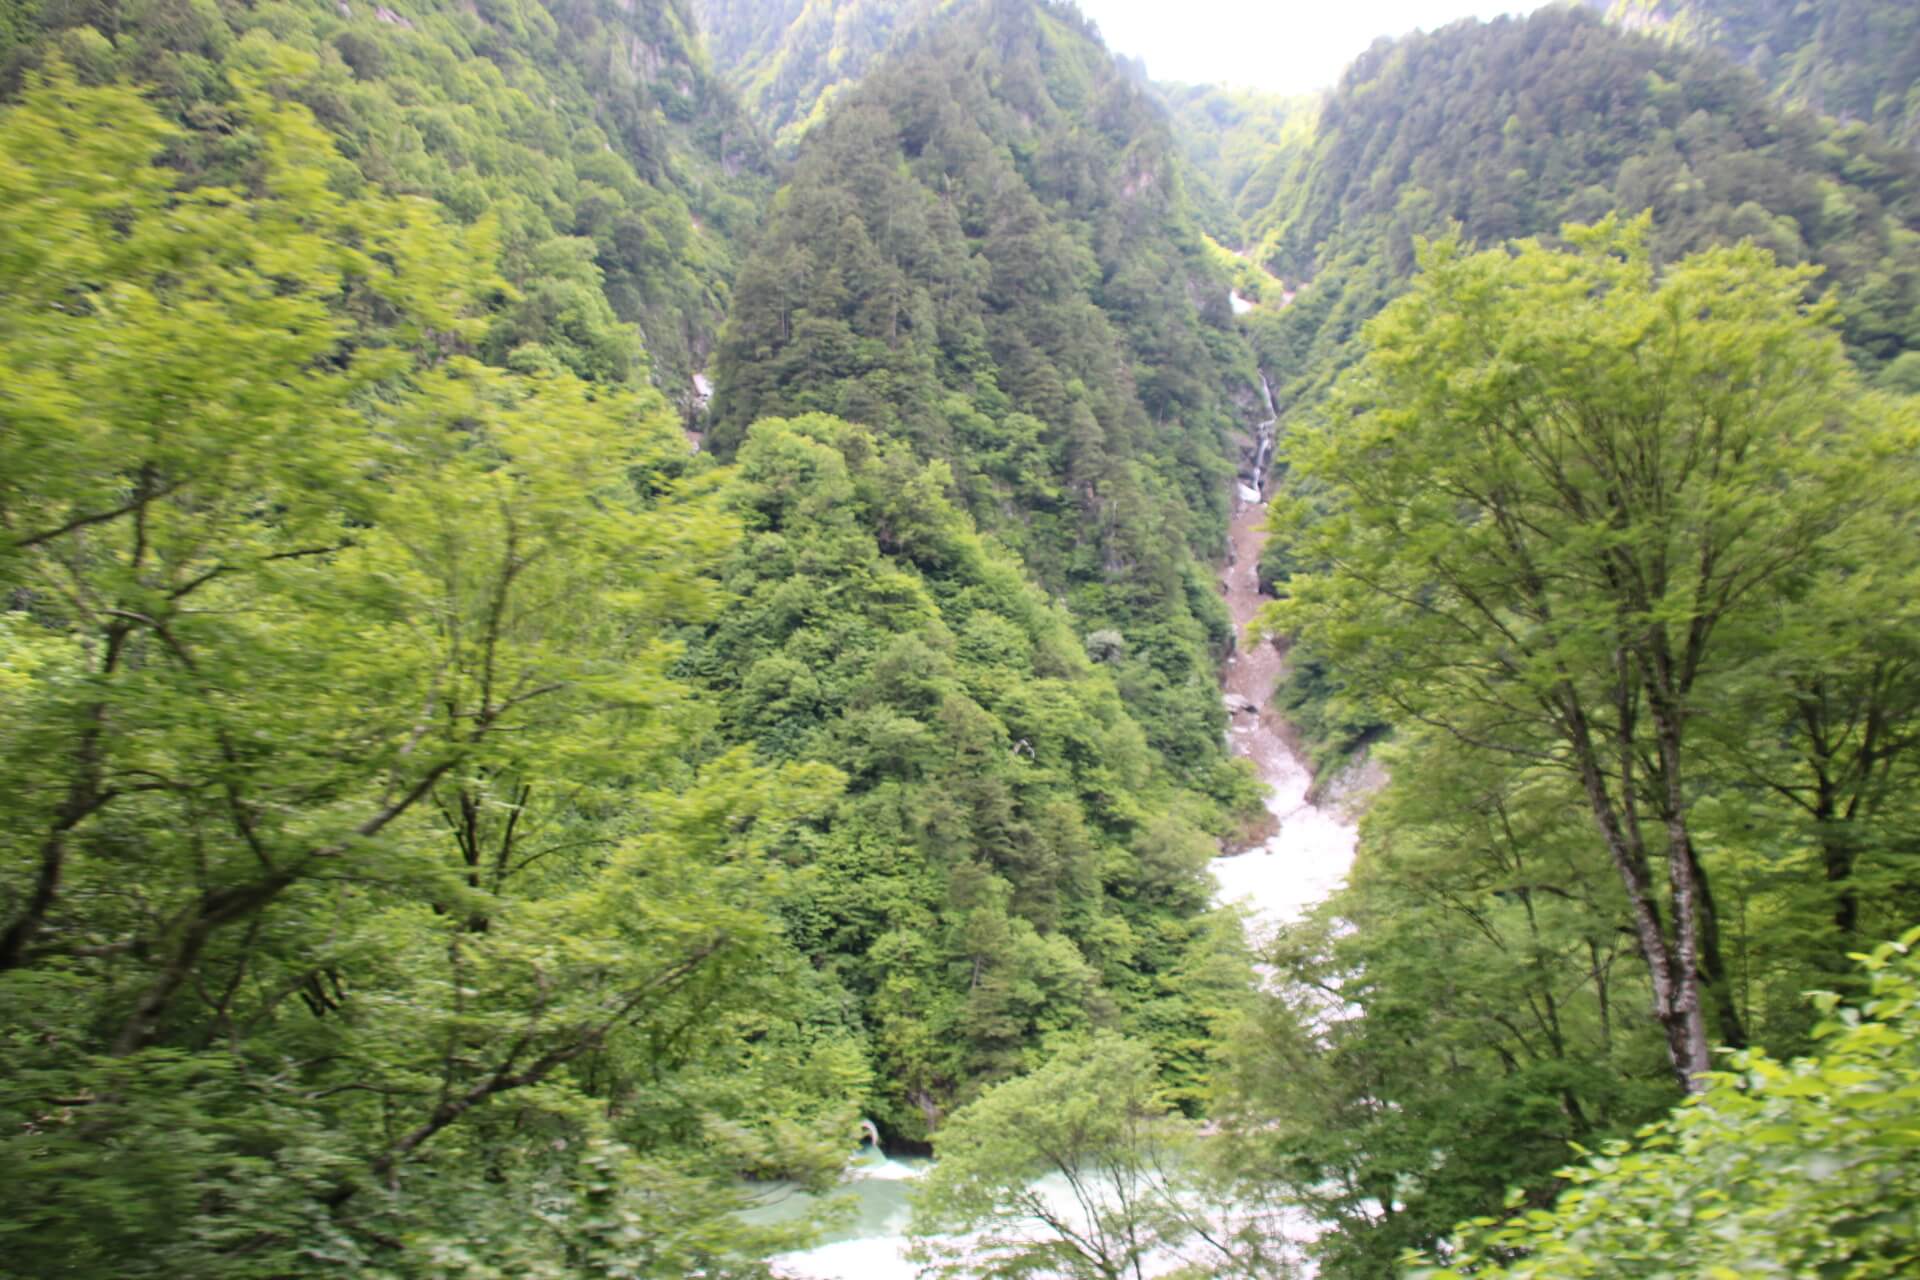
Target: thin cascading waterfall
x,y
1263,435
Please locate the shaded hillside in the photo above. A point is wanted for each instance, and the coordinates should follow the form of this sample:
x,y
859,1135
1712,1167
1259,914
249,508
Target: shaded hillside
x,y
986,251
1011,858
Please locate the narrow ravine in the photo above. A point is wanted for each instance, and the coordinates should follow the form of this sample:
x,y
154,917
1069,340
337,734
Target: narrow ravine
x,y
1303,859
1310,846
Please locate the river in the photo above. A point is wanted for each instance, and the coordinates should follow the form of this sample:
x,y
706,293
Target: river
x,y
1309,845
1303,858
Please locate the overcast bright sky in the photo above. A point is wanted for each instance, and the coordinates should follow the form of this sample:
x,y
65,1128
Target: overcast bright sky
x,y
1285,46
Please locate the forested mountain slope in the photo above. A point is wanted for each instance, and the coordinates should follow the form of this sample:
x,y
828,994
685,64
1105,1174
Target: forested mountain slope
x,y
1857,60
984,258
369,898
454,824
985,251
1513,127
1485,470
790,58
439,801
1011,859
1623,550
619,178
1243,143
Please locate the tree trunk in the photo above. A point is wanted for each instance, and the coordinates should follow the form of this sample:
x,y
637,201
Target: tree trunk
x,y
1672,974
1684,890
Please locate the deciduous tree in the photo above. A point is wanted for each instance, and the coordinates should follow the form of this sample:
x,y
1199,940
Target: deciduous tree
x,y
1547,503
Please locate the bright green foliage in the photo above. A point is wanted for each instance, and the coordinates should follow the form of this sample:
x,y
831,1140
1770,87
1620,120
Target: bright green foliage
x,y
1552,525
1484,926
1854,59
363,907
617,175
449,828
1802,1168
1514,127
1093,1122
790,59
1600,536
1010,860
985,251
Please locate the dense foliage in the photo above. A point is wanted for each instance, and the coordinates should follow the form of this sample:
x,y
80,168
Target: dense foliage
x,y
1854,59
1513,127
985,252
1011,859
791,58
1517,126
617,176
1782,1169
1659,719
1242,145
364,907
432,786
470,809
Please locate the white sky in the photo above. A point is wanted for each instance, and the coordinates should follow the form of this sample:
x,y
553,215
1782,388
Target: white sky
x,y
1284,46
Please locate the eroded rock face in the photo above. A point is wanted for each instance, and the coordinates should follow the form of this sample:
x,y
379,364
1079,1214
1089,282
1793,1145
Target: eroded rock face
x,y
1239,705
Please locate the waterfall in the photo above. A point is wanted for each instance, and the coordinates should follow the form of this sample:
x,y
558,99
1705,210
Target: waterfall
x,y
1263,442
871,1134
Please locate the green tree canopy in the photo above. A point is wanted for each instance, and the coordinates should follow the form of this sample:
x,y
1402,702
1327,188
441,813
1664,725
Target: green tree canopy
x,y
363,901
1802,1168
1554,502
1116,1163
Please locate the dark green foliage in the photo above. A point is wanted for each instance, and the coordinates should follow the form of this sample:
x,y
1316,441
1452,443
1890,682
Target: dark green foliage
x,y
1782,1168
618,174
1513,127
985,252
1010,861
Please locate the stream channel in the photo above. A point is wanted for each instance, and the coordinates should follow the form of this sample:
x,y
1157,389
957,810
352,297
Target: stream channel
x,y
1303,859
